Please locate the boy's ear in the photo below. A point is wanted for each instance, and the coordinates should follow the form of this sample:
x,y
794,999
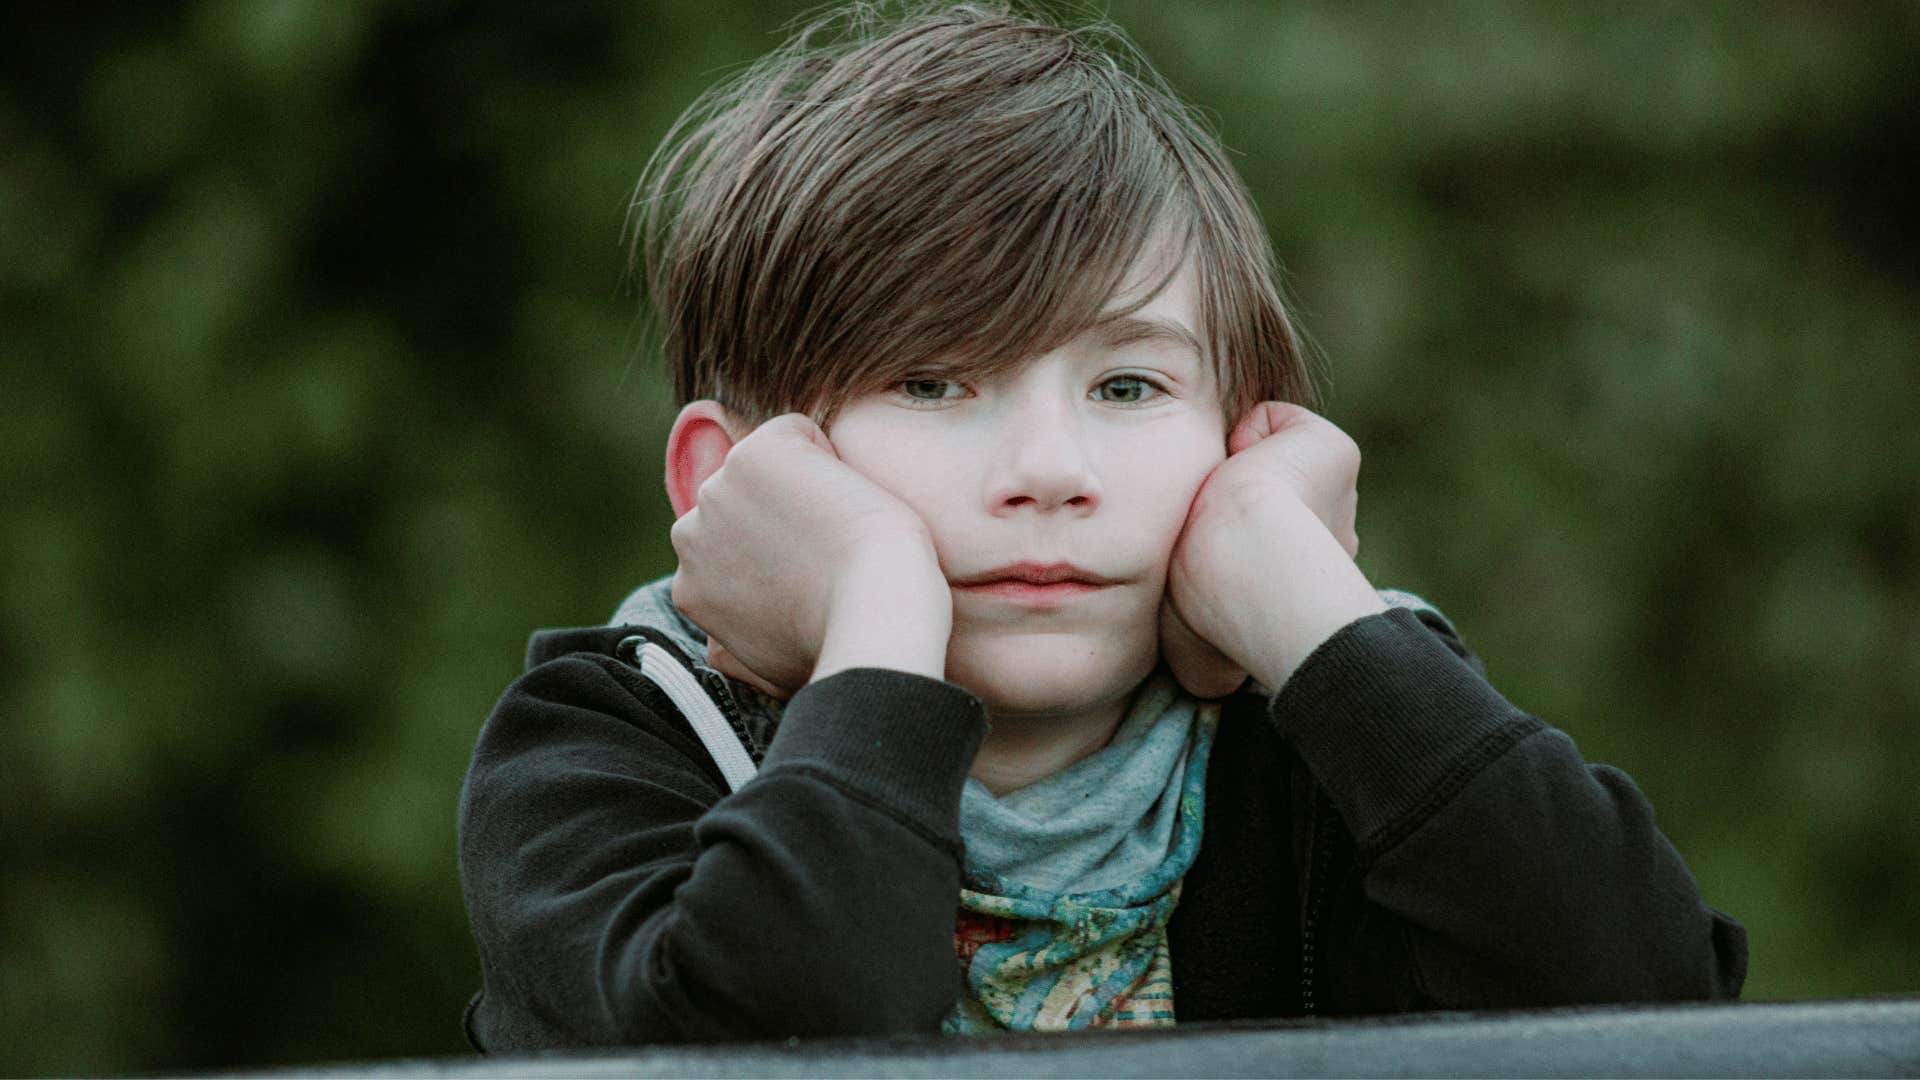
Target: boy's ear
x,y
701,436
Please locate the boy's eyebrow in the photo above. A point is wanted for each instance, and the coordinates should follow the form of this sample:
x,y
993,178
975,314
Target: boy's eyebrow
x,y
1132,329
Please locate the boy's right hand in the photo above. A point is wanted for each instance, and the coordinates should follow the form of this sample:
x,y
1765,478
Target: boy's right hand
x,y
797,566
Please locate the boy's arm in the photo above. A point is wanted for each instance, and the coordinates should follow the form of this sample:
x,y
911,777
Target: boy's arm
x,y
617,893
1522,875
618,896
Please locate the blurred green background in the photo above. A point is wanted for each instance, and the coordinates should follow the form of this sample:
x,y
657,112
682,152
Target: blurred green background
x,y
323,387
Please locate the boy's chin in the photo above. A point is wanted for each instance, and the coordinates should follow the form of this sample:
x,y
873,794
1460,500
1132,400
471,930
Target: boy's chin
x,y
1049,674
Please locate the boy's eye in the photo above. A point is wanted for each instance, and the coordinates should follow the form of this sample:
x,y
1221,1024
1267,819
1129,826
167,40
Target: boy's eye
x,y
931,389
1125,390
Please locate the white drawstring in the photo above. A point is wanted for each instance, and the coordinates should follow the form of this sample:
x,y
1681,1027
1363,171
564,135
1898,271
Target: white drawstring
x,y
672,677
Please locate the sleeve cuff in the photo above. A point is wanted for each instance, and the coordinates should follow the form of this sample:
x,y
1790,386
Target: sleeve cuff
x,y
903,740
1392,723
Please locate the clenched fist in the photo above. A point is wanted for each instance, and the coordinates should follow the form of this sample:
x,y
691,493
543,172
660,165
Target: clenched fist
x,y
797,566
1263,571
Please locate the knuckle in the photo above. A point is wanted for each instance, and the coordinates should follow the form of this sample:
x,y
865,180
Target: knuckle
x,y
1346,452
681,532
686,596
786,425
747,450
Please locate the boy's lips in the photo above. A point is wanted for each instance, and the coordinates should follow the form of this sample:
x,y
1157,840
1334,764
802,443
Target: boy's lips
x,y
1043,584
1032,573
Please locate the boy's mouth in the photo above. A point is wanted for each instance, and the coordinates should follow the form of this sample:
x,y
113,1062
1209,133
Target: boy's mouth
x,y
1032,573
1042,584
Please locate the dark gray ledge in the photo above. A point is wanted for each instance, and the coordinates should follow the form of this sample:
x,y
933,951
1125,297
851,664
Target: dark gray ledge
x,y
1859,1037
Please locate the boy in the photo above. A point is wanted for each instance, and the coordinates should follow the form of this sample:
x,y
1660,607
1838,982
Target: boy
x,y
1017,672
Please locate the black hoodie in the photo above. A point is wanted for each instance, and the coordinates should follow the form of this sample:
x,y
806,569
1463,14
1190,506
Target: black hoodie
x,y
1385,833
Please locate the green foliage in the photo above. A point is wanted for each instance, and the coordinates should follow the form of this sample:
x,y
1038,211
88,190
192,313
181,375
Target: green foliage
x,y
321,389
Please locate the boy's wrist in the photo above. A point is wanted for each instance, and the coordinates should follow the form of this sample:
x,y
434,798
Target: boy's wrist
x,y
890,616
875,650
1317,621
1316,590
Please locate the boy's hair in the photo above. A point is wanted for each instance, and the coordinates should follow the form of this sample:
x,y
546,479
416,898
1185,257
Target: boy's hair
x,y
956,189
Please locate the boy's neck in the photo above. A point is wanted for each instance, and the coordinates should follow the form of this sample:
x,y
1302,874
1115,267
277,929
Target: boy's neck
x,y
1022,749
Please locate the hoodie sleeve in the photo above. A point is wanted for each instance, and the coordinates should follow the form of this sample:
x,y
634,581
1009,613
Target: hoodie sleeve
x,y
1520,875
618,895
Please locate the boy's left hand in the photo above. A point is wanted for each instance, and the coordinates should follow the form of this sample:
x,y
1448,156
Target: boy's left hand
x,y
1263,571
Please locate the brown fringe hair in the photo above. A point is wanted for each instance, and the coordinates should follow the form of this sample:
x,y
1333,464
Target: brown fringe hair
x,y
955,189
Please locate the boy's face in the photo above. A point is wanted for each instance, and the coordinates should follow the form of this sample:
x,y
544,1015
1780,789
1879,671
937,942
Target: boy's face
x,y
1083,462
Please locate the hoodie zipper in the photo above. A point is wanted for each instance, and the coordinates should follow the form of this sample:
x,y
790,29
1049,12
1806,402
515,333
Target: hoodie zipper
x,y
1325,827
722,695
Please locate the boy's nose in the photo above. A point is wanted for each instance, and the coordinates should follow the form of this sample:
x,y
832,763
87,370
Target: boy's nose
x,y
1042,466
